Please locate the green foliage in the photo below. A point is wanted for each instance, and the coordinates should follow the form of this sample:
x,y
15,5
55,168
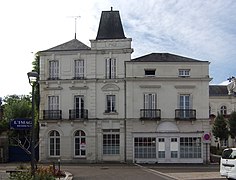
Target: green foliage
x,y
220,129
4,126
232,124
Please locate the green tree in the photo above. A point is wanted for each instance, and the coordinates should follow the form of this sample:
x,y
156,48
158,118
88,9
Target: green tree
x,y
232,125
220,129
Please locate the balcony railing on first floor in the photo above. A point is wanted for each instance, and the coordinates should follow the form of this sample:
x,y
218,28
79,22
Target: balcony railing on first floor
x,y
52,114
78,114
152,114
185,114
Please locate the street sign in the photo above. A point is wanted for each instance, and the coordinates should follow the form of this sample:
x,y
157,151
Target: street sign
x,y
207,138
21,124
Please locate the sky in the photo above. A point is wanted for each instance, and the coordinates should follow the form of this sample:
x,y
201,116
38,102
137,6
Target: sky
x,y
200,29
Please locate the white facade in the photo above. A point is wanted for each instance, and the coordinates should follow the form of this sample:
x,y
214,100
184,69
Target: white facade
x,y
96,104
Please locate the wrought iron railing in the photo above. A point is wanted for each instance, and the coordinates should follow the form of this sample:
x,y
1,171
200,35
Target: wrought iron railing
x,y
51,114
185,114
78,114
153,114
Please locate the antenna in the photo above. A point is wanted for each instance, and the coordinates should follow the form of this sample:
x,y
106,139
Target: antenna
x,y
75,17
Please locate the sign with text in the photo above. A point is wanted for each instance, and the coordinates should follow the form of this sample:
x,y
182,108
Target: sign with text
x,y
21,124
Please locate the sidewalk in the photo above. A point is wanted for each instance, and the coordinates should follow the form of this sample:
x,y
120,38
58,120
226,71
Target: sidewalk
x,y
189,172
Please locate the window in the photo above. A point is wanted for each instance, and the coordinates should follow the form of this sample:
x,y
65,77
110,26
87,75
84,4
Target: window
x,y
174,147
111,142
224,143
110,103
223,110
79,69
53,102
150,72
190,147
53,69
161,148
150,105
184,105
110,68
184,72
54,143
80,144
53,108
145,147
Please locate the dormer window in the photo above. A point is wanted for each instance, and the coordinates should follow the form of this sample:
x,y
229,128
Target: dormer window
x,y
150,72
184,72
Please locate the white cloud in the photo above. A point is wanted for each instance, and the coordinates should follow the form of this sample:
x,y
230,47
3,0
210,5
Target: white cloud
x,y
199,29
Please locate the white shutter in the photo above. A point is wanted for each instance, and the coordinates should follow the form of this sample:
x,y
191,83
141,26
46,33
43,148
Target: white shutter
x,y
153,101
113,68
107,68
146,96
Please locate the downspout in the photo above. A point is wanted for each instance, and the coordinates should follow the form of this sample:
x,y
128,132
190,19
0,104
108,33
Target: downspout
x,y
125,114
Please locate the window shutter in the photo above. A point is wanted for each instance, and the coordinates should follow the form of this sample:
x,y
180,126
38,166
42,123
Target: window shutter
x,y
153,101
107,68
113,68
145,101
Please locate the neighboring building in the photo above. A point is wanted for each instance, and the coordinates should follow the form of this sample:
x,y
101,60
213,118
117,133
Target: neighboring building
x,y
223,103
97,104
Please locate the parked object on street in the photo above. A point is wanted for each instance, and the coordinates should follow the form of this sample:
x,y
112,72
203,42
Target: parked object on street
x,y
228,163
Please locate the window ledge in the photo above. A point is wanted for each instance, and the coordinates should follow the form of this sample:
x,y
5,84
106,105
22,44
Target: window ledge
x,y
110,113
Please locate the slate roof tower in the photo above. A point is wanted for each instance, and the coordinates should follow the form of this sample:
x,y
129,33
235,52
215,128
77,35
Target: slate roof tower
x,y
110,26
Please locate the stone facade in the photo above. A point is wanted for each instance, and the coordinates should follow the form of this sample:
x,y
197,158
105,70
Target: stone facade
x,y
97,104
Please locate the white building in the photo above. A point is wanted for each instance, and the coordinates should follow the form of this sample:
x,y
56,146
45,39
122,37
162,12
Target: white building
x,y
97,104
223,103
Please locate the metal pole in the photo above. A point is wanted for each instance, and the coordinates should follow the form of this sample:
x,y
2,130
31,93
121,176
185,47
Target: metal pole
x,y
32,136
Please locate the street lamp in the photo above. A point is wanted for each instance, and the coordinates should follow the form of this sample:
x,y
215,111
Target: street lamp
x,y
33,80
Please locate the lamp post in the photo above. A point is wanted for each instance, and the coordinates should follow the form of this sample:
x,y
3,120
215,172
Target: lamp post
x,y
33,80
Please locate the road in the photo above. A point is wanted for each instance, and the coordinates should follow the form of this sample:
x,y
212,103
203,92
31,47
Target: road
x,y
114,172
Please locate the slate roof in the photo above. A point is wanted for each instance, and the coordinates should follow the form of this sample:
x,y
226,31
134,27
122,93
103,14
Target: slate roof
x,y
218,90
72,45
164,57
110,26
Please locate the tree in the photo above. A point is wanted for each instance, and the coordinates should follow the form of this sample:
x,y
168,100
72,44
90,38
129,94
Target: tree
x,y
220,129
232,125
18,107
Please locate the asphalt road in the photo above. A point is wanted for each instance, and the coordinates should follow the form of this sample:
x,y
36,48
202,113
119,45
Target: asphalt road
x,y
114,172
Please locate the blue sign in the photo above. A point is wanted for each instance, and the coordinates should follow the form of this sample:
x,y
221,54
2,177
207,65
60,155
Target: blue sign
x,y
21,124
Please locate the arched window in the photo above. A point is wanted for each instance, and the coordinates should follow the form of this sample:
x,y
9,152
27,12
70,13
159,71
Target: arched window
x,y
223,110
54,143
80,144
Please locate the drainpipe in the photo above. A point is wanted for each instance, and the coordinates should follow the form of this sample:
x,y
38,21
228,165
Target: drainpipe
x,y
125,114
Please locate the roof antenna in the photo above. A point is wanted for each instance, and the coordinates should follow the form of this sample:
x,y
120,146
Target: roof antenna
x,y
75,17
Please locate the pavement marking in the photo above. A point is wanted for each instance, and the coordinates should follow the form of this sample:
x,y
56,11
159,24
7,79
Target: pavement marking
x,y
168,177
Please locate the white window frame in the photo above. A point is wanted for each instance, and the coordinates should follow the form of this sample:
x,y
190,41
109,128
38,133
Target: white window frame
x,y
79,69
110,103
54,144
150,70
53,102
223,110
110,68
145,147
54,69
80,136
184,72
111,142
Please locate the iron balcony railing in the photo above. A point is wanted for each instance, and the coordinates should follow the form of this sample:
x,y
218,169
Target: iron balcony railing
x,y
185,114
51,114
153,114
78,114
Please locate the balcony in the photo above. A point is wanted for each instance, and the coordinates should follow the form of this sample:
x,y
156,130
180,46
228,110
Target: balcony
x,y
150,114
51,114
78,114
185,114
